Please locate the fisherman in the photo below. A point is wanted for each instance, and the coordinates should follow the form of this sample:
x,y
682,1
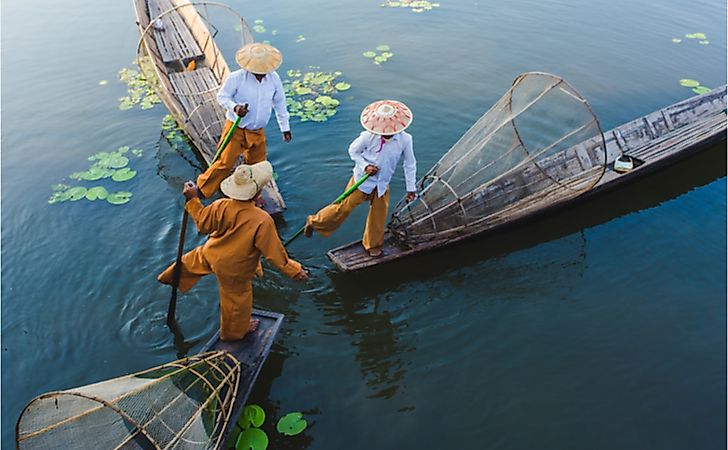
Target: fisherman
x,y
375,152
249,93
239,233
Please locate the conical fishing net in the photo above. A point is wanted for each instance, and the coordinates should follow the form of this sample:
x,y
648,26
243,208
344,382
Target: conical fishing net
x,y
185,404
181,53
538,145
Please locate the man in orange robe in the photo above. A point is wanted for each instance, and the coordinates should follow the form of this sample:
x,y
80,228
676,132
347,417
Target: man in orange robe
x,y
239,233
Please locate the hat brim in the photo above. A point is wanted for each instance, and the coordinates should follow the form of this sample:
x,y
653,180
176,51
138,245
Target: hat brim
x,y
389,125
262,173
259,66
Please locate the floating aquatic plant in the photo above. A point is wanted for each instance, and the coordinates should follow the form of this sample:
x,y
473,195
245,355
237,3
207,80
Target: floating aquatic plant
x,y
103,82
105,165
696,36
417,6
701,90
300,38
253,415
704,42
383,56
687,82
676,40
140,89
309,95
252,439
291,424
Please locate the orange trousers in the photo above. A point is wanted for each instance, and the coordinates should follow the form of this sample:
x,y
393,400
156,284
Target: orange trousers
x,y
327,220
249,143
236,292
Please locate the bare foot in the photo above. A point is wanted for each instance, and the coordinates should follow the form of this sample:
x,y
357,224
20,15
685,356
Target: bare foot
x,y
375,252
253,325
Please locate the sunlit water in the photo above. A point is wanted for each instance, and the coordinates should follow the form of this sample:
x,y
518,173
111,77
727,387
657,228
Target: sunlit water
x,y
602,327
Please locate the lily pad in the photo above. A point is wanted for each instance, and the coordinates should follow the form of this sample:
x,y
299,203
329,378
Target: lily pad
x,y
253,415
259,28
676,40
303,90
383,48
76,193
97,192
687,82
387,54
59,196
252,439
701,90
703,42
300,38
117,161
258,21
291,424
274,32
119,198
699,36
59,187
369,54
103,82
380,59
124,174
341,86
137,152
691,36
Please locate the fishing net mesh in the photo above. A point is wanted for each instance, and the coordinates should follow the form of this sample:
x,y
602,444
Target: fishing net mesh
x,y
188,40
186,404
539,144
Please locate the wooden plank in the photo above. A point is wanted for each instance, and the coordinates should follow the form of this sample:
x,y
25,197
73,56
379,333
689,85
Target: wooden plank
x,y
174,40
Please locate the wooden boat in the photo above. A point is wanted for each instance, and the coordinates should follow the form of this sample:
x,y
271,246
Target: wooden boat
x,y
251,352
654,141
172,34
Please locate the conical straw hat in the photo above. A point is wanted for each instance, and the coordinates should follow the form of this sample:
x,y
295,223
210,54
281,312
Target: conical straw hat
x,y
247,180
386,117
259,58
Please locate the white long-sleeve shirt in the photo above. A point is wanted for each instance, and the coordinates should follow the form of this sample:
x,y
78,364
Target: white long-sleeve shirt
x,y
241,87
372,149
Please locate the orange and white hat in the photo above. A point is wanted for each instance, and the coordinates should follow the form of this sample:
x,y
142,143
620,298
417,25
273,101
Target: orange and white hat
x,y
259,58
385,117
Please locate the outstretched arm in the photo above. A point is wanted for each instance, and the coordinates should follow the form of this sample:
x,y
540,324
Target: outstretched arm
x,y
279,104
206,218
270,245
409,164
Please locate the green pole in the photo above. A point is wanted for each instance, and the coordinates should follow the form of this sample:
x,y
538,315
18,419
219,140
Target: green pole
x,y
225,141
339,199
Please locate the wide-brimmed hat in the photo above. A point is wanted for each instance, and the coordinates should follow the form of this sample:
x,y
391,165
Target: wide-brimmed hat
x,y
386,117
259,58
247,180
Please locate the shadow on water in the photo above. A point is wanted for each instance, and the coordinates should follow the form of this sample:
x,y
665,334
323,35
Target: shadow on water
x,y
649,192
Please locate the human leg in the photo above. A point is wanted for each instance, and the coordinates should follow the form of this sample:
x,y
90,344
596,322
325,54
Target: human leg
x,y
373,238
257,149
330,218
194,267
236,306
209,181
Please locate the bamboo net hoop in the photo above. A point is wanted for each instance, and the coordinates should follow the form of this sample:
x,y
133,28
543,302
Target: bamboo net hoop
x,y
185,404
540,143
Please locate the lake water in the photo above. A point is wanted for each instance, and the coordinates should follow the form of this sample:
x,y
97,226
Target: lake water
x,y
603,327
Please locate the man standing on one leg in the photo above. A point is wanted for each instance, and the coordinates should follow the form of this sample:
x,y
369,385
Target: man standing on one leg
x,y
239,233
249,93
376,152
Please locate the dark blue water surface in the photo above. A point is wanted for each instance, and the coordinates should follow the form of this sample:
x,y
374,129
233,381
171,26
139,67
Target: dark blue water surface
x,y
602,327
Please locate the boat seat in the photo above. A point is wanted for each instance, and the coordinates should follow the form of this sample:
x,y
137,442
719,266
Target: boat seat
x,y
174,38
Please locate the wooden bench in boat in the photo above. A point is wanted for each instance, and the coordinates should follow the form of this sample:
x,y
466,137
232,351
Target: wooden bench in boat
x,y
174,40
661,138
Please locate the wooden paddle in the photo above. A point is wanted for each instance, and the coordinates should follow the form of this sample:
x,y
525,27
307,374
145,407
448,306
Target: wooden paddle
x,y
183,230
339,199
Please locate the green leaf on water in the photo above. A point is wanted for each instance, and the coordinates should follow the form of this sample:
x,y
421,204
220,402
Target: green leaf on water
x,y
259,28
291,424
383,48
119,198
97,192
124,174
380,59
126,103
138,152
117,161
258,21
303,90
253,415
341,86
703,42
252,439
699,36
59,196
369,54
103,82
274,32
687,82
59,187
76,193
387,54
676,40
300,38
701,90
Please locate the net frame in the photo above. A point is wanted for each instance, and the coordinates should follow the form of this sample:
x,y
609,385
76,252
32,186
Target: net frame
x,y
407,227
222,365
206,110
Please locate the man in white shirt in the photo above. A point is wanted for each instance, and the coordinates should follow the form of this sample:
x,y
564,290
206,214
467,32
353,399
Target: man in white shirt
x,y
376,152
250,93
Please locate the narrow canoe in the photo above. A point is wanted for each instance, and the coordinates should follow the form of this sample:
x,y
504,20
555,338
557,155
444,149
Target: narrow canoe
x,y
172,34
656,140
